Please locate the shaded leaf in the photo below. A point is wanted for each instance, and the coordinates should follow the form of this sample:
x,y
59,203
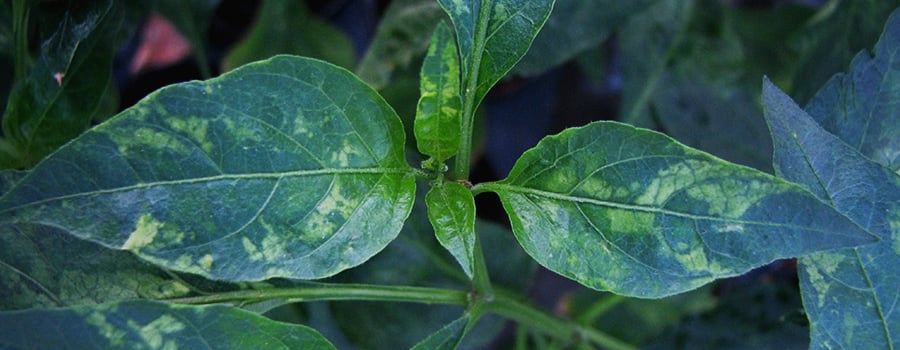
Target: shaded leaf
x,y
287,27
67,85
402,35
192,18
451,210
849,294
861,107
573,27
493,35
301,176
448,337
636,213
438,124
153,325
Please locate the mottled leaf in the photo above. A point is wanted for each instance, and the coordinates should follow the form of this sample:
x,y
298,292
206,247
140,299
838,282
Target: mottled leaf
x,y
573,27
192,18
289,167
493,35
636,213
862,107
448,337
850,295
451,210
287,27
402,35
152,325
438,125
42,266
67,84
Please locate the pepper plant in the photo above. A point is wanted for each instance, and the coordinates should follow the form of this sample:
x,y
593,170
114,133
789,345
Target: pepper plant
x,y
175,223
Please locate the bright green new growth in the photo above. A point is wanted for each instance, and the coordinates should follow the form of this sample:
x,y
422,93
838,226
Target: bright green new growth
x,y
451,210
438,123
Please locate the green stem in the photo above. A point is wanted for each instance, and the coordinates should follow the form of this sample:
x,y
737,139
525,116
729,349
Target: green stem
x,y
539,320
20,31
470,104
325,291
599,308
481,279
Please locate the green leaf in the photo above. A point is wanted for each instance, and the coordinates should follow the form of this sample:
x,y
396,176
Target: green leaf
x,y
438,125
192,18
153,325
451,210
289,167
287,27
66,86
849,294
573,27
861,107
493,36
402,35
636,213
43,266
447,338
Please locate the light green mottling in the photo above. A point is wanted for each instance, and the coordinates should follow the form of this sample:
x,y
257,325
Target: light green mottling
x,y
157,334
113,334
274,247
817,280
241,132
629,221
829,261
328,215
741,195
145,137
195,127
348,151
894,222
695,260
206,261
251,249
598,188
672,179
144,232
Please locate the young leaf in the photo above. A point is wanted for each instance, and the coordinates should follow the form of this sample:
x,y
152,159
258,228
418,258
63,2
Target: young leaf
x,y
192,18
289,167
67,85
493,36
849,295
451,210
447,338
438,123
143,324
634,212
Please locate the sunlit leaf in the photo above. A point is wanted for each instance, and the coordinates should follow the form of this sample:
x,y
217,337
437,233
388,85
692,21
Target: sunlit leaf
x,y
636,213
290,167
438,124
849,295
152,325
493,35
451,210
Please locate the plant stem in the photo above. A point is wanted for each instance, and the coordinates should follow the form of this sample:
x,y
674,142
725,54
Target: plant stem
x,y
537,319
470,93
20,31
600,307
326,291
481,279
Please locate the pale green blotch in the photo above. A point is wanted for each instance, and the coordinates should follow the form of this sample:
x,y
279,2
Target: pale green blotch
x,y
113,334
629,221
671,180
251,249
322,222
741,195
144,232
598,188
195,127
146,137
240,133
206,261
342,157
894,222
157,334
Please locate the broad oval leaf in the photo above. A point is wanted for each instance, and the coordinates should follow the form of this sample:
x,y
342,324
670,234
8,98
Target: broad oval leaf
x,y
438,124
143,324
849,295
451,210
634,212
290,167
493,36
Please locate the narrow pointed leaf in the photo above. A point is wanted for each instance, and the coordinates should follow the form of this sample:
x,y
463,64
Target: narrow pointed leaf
x,y
636,213
438,126
447,338
451,210
861,107
289,167
493,35
145,324
850,295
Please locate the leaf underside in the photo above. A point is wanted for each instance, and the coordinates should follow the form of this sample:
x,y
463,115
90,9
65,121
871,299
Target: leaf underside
x,y
634,212
289,167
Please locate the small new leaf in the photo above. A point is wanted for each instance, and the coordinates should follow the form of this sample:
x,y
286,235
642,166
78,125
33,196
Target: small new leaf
x,y
438,125
451,210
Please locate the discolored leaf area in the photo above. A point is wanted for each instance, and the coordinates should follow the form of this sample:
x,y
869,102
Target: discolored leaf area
x,y
67,86
493,35
850,295
289,167
143,324
287,27
636,213
448,337
451,210
438,123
